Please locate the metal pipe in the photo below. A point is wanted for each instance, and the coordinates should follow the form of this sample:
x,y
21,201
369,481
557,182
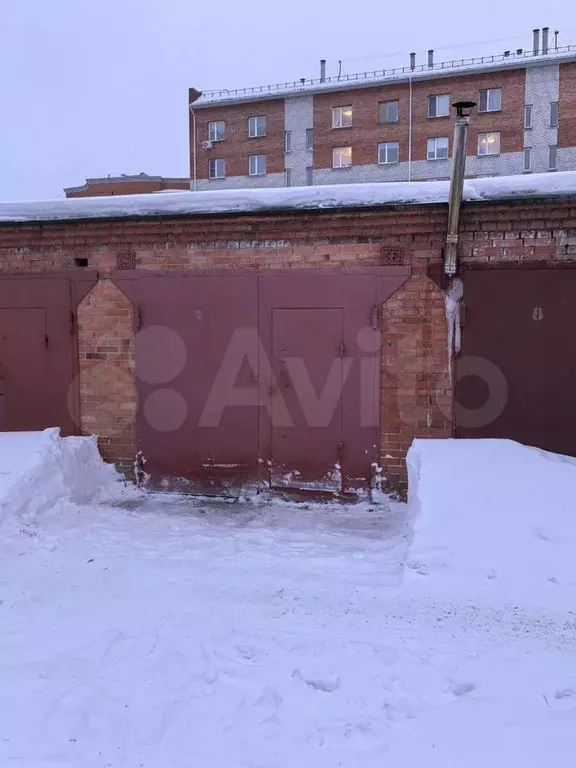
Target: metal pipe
x,y
412,61
410,130
322,70
536,47
556,33
431,58
463,109
545,31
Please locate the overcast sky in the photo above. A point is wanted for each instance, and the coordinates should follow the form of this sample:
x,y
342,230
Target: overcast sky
x,y
98,87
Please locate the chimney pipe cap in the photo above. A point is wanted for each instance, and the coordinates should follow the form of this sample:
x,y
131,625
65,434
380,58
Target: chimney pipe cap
x,y
463,108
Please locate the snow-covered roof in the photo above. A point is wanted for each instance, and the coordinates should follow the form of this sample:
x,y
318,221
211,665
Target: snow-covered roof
x,y
383,77
287,198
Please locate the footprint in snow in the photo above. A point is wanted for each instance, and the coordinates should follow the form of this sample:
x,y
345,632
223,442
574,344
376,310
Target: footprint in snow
x,y
461,689
327,686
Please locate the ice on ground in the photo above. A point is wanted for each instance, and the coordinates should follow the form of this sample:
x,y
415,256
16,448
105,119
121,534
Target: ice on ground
x,y
41,469
494,516
289,199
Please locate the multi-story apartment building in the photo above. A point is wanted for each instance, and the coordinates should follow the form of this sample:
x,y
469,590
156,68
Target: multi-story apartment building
x,y
391,125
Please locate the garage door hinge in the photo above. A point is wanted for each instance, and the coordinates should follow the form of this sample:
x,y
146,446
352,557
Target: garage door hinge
x,y
375,317
137,317
340,449
342,349
72,322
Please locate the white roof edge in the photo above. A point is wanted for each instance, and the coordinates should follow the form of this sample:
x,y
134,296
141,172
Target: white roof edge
x,y
245,201
371,82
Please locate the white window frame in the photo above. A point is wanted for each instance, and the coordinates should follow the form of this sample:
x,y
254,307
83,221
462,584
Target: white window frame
x,y
384,149
487,145
309,138
553,150
287,141
288,177
254,161
344,154
554,114
213,130
490,95
527,168
256,129
528,116
214,163
435,100
339,117
383,108
310,176
436,139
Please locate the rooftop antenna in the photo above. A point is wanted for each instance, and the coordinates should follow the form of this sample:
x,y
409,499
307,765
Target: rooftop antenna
x,y
339,69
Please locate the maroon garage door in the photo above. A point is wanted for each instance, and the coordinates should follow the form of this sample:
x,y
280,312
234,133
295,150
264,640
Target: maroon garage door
x,y
253,381
37,353
517,367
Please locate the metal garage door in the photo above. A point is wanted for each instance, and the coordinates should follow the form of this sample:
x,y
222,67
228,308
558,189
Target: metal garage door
x,y
517,368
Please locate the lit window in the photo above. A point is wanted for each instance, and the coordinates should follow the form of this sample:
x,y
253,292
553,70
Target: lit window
x,y
257,165
309,138
527,159
438,149
388,153
342,157
341,117
439,106
552,157
310,176
528,116
287,141
389,112
288,174
256,127
217,130
217,169
554,114
491,100
488,144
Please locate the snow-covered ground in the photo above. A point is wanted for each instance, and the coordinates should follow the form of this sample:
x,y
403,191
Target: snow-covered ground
x,y
156,631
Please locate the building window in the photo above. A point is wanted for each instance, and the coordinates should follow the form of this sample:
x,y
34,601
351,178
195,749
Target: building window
x,y
341,117
288,174
217,169
488,144
257,165
527,159
528,116
389,112
342,157
310,176
256,127
439,106
554,114
309,138
491,100
388,153
287,141
217,130
552,157
438,148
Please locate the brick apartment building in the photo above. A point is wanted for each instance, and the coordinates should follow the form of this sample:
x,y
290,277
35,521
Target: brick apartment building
x,y
140,184
393,125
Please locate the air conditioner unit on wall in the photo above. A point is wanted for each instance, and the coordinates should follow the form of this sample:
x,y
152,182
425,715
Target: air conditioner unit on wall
x,y
206,145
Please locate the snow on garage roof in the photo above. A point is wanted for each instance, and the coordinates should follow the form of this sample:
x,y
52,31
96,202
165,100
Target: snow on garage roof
x,y
239,201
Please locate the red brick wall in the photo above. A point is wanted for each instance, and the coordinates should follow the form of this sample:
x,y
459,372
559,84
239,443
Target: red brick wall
x,y
415,394
237,146
107,373
366,132
127,188
567,111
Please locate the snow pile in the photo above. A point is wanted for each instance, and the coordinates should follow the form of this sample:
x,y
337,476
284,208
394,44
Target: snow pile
x,y
289,199
493,515
41,469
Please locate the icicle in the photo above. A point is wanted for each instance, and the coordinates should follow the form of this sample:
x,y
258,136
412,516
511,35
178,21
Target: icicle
x,y
452,302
